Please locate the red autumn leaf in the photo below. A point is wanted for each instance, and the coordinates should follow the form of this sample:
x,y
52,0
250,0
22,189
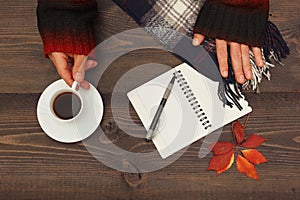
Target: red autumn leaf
x,y
253,141
228,166
238,131
244,166
221,163
254,156
221,148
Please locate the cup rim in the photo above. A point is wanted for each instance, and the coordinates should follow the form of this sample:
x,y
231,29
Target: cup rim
x,y
56,94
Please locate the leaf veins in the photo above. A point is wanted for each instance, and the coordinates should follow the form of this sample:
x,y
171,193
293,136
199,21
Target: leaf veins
x,y
238,131
253,141
254,156
220,148
244,166
221,163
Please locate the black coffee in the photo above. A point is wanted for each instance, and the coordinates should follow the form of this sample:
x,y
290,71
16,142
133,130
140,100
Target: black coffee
x,y
66,105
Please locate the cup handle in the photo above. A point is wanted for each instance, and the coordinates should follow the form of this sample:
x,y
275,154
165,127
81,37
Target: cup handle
x,y
74,85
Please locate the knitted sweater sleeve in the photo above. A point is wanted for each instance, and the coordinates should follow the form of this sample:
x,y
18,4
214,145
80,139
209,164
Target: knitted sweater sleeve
x,y
234,20
67,25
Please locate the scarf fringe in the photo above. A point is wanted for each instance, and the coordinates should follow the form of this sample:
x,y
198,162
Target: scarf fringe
x,y
258,73
275,48
274,45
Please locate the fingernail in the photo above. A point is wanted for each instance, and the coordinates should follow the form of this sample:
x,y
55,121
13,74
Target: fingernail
x,y
225,74
78,77
261,63
196,42
95,63
241,79
249,75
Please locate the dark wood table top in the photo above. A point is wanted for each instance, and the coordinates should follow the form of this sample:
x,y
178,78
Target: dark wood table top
x,y
33,166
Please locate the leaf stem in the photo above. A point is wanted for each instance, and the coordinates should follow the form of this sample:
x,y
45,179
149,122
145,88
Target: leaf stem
x,y
246,121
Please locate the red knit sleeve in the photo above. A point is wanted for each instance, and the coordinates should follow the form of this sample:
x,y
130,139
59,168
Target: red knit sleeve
x,y
67,25
234,20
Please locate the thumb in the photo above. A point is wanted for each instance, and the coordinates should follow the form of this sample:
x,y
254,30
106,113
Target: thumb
x,y
78,71
198,39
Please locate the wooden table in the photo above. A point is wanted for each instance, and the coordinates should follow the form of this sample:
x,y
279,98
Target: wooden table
x,y
33,166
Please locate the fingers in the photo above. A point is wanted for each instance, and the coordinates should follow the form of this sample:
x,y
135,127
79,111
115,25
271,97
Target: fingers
x,y
240,58
78,71
80,66
198,39
236,60
75,70
258,56
246,61
89,64
84,84
66,76
60,61
221,48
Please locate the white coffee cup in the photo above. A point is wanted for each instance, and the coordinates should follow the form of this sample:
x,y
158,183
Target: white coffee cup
x,y
59,112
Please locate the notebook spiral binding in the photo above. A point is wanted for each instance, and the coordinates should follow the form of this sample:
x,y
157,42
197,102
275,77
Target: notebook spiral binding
x,y
199,112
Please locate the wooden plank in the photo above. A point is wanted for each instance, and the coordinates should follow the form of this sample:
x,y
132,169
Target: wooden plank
x,y
24,69
34,166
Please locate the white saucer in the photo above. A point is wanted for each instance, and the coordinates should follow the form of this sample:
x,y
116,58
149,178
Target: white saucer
x,y
79,128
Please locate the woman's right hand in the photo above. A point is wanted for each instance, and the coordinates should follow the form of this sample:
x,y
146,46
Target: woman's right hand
x,y
72,67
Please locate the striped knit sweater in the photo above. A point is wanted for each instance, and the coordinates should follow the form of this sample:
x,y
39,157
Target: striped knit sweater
x,y
242,21
67,25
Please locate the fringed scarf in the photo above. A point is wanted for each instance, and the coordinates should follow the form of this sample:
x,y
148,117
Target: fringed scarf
x,y
180,15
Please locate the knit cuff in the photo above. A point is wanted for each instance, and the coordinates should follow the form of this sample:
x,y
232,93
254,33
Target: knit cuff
x,y
245,25
69,31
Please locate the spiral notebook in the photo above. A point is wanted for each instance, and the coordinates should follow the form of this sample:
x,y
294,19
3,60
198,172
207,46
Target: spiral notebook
x,y
192,111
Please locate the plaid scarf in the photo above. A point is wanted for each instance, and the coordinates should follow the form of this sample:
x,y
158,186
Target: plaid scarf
x,y
178,15
181,15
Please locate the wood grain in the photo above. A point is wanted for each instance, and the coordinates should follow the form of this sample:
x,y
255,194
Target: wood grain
x,y
33,166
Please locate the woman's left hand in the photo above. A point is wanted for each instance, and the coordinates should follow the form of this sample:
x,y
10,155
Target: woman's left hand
x,y
240,57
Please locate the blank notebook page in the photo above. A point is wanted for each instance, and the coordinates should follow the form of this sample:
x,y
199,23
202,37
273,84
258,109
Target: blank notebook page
x,y
192,111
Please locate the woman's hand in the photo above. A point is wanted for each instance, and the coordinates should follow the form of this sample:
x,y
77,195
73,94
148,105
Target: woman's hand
x,y
240,57
72,67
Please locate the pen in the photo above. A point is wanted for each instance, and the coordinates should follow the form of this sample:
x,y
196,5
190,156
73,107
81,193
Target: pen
x,y
159,110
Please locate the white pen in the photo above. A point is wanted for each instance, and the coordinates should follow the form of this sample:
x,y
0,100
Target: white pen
x,y
159,110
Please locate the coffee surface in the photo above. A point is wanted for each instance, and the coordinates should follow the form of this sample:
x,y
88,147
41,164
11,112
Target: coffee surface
x,y
66,105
